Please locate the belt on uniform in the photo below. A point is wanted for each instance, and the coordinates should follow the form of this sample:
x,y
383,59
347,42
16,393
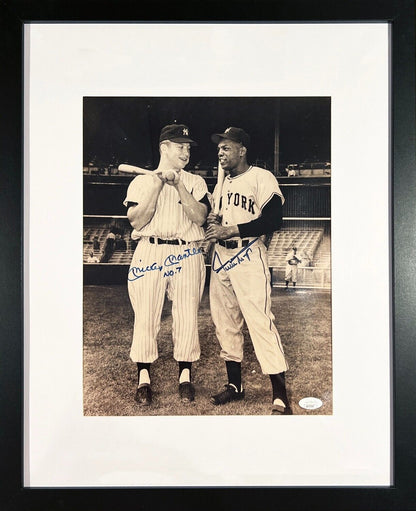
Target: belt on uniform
x,y
159,241
233,243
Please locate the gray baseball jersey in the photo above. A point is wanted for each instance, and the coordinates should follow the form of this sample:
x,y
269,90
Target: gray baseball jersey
x,y
240,287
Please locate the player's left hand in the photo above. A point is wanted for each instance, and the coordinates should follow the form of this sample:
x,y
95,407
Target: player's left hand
x,y
172,177
217,232
213,218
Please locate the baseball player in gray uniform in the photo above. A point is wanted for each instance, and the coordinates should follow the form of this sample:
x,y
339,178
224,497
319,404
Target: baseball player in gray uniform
x,y
167,212
291,272
250,207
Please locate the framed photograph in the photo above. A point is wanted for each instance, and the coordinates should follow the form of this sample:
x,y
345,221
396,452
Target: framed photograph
x,y
274,261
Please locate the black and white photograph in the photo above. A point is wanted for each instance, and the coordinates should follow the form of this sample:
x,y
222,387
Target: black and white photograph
x,y
211,209
207,256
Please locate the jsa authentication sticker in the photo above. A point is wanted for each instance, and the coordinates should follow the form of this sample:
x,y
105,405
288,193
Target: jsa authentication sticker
x,y
310,403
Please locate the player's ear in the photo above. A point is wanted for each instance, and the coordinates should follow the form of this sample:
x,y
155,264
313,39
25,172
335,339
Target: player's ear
x,y
243,151
163,146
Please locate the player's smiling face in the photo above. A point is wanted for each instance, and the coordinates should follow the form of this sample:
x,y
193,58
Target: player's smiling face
x,y
229,154
178,153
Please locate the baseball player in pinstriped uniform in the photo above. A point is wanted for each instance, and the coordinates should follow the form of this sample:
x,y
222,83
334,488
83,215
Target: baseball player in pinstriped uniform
x,y
250,206
167,214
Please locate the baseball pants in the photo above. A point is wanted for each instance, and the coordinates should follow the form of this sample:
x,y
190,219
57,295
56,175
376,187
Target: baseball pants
x,y
291,272
243,293
184,285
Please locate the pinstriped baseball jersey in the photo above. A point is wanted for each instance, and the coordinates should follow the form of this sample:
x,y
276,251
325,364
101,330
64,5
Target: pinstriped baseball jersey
x,y
157,270
169,220
244,196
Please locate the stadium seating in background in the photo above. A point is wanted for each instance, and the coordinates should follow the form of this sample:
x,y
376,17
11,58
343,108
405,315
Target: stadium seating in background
x,y
89,234
312,244
314,249
306,241
119,256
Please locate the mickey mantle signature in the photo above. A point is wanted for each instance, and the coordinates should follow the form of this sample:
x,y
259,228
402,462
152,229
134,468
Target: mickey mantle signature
x,y
171,262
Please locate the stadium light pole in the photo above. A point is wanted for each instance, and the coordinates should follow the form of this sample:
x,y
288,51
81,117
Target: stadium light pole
x,y
276,137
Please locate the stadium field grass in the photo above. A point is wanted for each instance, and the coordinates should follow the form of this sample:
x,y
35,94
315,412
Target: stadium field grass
x,y
303,318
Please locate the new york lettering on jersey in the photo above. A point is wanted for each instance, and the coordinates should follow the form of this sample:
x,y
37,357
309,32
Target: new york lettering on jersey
x,y
244,196
241,200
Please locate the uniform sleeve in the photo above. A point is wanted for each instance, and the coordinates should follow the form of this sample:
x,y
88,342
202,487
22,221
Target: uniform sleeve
x,y
269,221
205,200
135,191
199,189
267,187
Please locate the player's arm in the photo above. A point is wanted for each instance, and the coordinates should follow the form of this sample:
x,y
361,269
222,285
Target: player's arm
x,y
140,214
195,210
269,221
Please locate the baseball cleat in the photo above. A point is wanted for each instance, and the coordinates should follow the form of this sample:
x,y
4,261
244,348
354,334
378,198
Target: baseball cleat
x,y
229,394
144,395
186,392
281,410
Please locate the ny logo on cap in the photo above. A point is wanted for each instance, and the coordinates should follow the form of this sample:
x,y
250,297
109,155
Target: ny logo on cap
x,y
227,130
185,131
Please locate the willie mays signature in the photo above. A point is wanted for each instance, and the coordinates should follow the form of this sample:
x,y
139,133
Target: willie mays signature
x,y
172,260
238,258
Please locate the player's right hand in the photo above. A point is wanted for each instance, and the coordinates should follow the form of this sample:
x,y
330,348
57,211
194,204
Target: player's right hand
x,y
213,218
158,179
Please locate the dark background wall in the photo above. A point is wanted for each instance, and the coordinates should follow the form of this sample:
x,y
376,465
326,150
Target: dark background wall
x,y
305,197
126,130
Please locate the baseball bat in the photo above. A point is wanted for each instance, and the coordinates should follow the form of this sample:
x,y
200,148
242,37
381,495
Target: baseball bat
x,y
217,199
132,169
220,182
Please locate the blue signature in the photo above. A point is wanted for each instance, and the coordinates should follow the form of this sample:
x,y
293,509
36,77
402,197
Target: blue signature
x,y
241,256
136,272
172,259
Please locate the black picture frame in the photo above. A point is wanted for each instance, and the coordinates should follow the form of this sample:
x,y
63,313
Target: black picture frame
x,y
401,495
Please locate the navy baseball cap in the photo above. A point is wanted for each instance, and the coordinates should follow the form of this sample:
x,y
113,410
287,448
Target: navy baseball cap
x,y
176,133
234,134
